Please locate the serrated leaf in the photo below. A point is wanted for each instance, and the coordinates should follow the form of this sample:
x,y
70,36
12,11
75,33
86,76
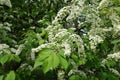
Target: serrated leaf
x,y
10,76
63,62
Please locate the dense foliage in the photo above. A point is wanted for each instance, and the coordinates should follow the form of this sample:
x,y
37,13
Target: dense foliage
x,y
59,39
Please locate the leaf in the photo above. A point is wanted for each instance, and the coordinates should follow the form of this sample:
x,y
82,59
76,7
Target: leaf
x,y
55,61
63,62
74,77
115,41
39,60
16,58
1,77
47,64
10,76
110,63
43,54
117,9
51,63
61,53
4,59
45,51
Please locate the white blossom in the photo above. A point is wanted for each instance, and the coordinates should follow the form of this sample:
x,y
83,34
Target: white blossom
x,y
94,40
103,4
76,9
115,71
19,50
67,48
114,56
3,46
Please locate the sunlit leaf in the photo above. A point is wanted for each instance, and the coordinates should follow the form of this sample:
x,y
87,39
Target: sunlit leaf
x,y
10,76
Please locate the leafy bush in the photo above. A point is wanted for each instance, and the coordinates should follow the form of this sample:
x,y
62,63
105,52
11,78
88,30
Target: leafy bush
x,y
59,40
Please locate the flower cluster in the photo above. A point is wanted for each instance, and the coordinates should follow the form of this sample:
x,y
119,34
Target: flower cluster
x,y
115,71
3,46
103,3
114,56
6,2
19,50
75,10
60,38
116,24
97,35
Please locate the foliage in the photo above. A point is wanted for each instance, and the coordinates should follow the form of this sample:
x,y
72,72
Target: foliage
x,y
59,39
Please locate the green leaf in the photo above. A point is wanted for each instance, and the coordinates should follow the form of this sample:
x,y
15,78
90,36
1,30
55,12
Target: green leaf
x,y
45,51
40,59
16,58
47,64
111,63
117,9
74,77
63,62
1,77
55,61
4,59
43,55
51,63
115,41
10,76
61,53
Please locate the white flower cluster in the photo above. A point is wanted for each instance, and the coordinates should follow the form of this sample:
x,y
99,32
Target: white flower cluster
x,y
67,48
19,50
61,75
94,40
115,18
77,39
6,2
61,14
60,38
115,71
103,4
76,9
35,50
114,56
97,35
61,34
78,72
3,46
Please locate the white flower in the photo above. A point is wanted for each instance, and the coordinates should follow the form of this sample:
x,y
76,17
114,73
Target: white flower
x,y
103,4
76,9
13,50
115,71
114,56
67,48
19,50
94,40
3,46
